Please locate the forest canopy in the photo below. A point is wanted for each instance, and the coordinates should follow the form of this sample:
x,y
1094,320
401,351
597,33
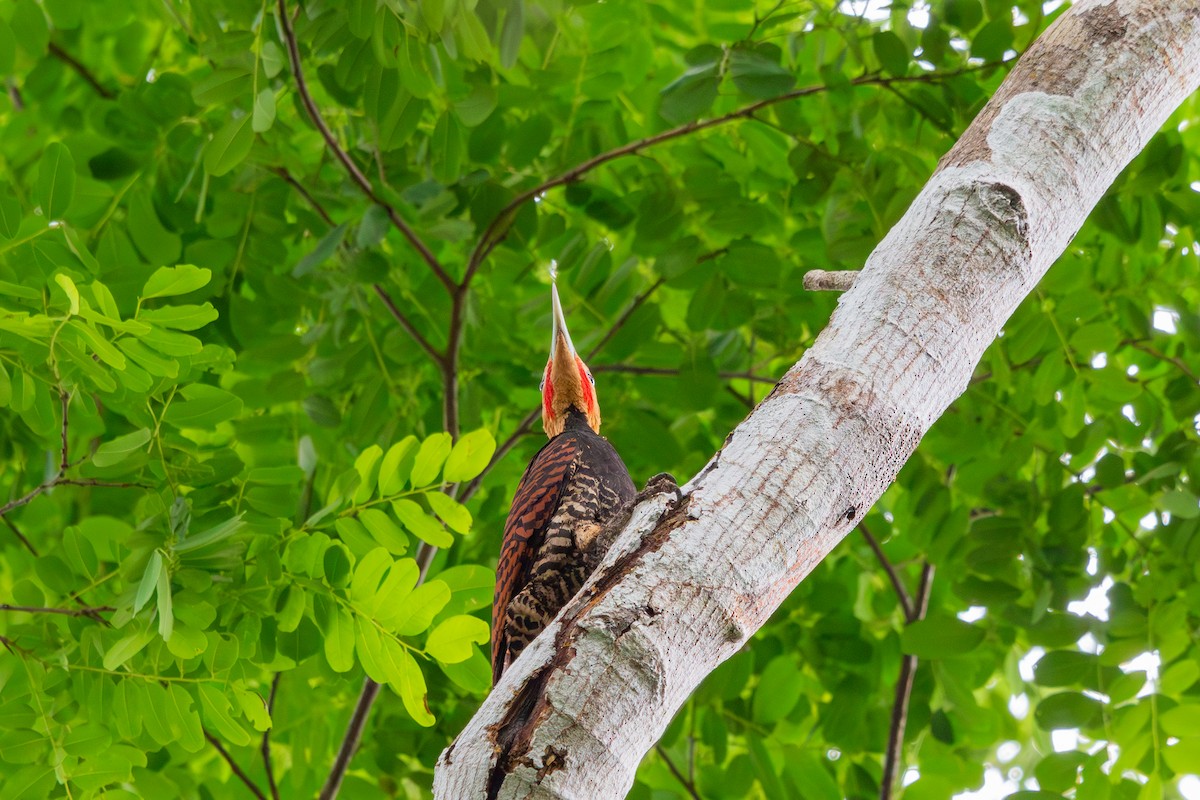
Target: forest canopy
x,y
274,305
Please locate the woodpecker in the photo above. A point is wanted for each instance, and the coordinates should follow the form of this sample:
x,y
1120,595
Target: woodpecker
x,y
574,485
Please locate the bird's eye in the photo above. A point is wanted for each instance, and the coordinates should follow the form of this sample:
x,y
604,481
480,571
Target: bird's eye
x,y
542,385
590,378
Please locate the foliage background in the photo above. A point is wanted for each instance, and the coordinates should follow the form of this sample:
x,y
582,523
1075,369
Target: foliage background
x,y
228,343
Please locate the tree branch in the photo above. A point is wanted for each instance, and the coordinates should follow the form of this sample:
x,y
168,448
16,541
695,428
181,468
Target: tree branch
x,y
822,280
625,315
497,229
438,358
1179,363
17,532
84,72
91,611
266,739
906,603
613,668
356,175
233,765
308,198
904,684
688,786
354,731
635,369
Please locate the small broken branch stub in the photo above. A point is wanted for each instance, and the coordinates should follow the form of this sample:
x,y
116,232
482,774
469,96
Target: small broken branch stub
x,y
824,280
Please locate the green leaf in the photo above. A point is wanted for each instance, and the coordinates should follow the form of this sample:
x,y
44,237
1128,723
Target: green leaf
x,y
264,111
68,286
126,648
390,601
368,575
8,51
166,616
757,75
229,146
254,707
367,467
397,465
10,209
55,187
429,460
410,683
471,586
159,245
183,317
149,581
338,630
383,530
891,52
779,689
215,708
171,281
470,456
420,524
98,344
338,561
117,450
217,533
186,642
321,253
1180,503
23,747
204,407
691,94
418,611
451,641
222,87
940,637
1068,710
1183,720
451,512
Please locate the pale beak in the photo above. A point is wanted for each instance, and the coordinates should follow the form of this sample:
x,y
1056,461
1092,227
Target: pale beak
x,y
560,337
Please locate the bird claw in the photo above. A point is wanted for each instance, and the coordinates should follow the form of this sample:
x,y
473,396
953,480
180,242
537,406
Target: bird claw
x,y
662,483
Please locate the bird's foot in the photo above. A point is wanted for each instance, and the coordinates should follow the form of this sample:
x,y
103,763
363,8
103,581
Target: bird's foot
x,y
662,483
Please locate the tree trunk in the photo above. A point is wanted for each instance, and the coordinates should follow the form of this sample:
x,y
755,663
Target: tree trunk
x,y
683,590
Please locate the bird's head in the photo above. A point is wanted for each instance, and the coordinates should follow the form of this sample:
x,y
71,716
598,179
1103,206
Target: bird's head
x,y
567,381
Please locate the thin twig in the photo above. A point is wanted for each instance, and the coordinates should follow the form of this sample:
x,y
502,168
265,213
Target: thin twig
x,y
405,323
497,229
14,95
1178,362
679,776
904,684
354,731
64,461
625,315
233,765
356,175
523,427
84,72
312,201
91,611
635,369
17,532
266,739
824,280
906,603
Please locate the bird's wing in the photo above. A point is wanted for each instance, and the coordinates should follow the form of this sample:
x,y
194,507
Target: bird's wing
x,y
534,504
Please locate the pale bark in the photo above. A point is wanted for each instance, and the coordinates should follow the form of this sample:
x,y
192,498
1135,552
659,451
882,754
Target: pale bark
x,y
678,594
